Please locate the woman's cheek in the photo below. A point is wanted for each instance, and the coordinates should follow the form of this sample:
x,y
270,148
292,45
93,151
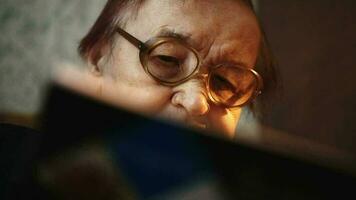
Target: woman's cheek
x,y
224,121
147,98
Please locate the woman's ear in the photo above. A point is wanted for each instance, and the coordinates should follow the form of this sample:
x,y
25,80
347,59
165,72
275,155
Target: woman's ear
x,y
95,70
99,61
98,68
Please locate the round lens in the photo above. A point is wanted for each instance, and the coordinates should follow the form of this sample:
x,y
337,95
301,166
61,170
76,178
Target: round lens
x,y
171,62
232,86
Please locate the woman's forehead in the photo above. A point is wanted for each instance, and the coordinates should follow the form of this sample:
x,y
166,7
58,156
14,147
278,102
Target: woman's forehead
x,y
191,17
227,23
196,8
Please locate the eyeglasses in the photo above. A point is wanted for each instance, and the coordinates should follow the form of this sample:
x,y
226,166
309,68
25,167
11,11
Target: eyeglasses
x,y
171,61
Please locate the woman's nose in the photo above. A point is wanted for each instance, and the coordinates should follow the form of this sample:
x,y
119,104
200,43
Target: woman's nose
x,y
192,97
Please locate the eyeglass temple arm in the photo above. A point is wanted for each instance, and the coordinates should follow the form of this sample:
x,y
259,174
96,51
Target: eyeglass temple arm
x,y
137,43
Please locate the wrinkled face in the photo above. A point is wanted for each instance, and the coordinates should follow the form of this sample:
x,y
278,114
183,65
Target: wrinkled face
x,y
222,31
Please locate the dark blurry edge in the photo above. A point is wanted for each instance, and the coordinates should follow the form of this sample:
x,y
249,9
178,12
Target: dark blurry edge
x,y
303,149
20,119
272,141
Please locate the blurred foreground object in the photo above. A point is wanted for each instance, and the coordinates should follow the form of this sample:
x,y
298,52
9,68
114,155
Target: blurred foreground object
x,y
140,158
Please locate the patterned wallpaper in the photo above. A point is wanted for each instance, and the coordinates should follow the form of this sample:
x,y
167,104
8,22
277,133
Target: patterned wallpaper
x,y
35,35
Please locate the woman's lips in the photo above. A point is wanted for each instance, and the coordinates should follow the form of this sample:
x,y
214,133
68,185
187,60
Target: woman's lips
x,y
197,124
182,118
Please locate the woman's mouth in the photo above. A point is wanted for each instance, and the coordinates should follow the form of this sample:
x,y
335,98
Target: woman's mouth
x,y
197,124
183,119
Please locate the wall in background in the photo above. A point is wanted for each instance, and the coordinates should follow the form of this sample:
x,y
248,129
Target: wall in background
x,y
35,35
315,45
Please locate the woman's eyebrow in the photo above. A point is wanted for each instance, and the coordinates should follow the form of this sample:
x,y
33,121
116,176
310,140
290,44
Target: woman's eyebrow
x,y
183,36
165,32
169,32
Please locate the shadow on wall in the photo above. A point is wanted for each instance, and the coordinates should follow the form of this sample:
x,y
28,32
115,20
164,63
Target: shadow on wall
x,y
314,43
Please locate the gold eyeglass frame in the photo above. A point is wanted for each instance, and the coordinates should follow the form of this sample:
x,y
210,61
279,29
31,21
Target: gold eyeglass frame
x,y
147,47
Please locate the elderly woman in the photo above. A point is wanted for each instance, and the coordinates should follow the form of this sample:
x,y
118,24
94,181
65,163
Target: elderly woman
x,y
191,61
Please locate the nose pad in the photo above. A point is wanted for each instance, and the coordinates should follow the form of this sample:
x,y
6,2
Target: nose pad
x,y
192,97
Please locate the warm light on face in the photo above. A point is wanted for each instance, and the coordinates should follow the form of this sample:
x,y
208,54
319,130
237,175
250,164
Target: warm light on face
x,y
192,68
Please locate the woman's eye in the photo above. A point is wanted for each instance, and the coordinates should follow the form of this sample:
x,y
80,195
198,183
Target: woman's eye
x,y
169,60
222,83
165,67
